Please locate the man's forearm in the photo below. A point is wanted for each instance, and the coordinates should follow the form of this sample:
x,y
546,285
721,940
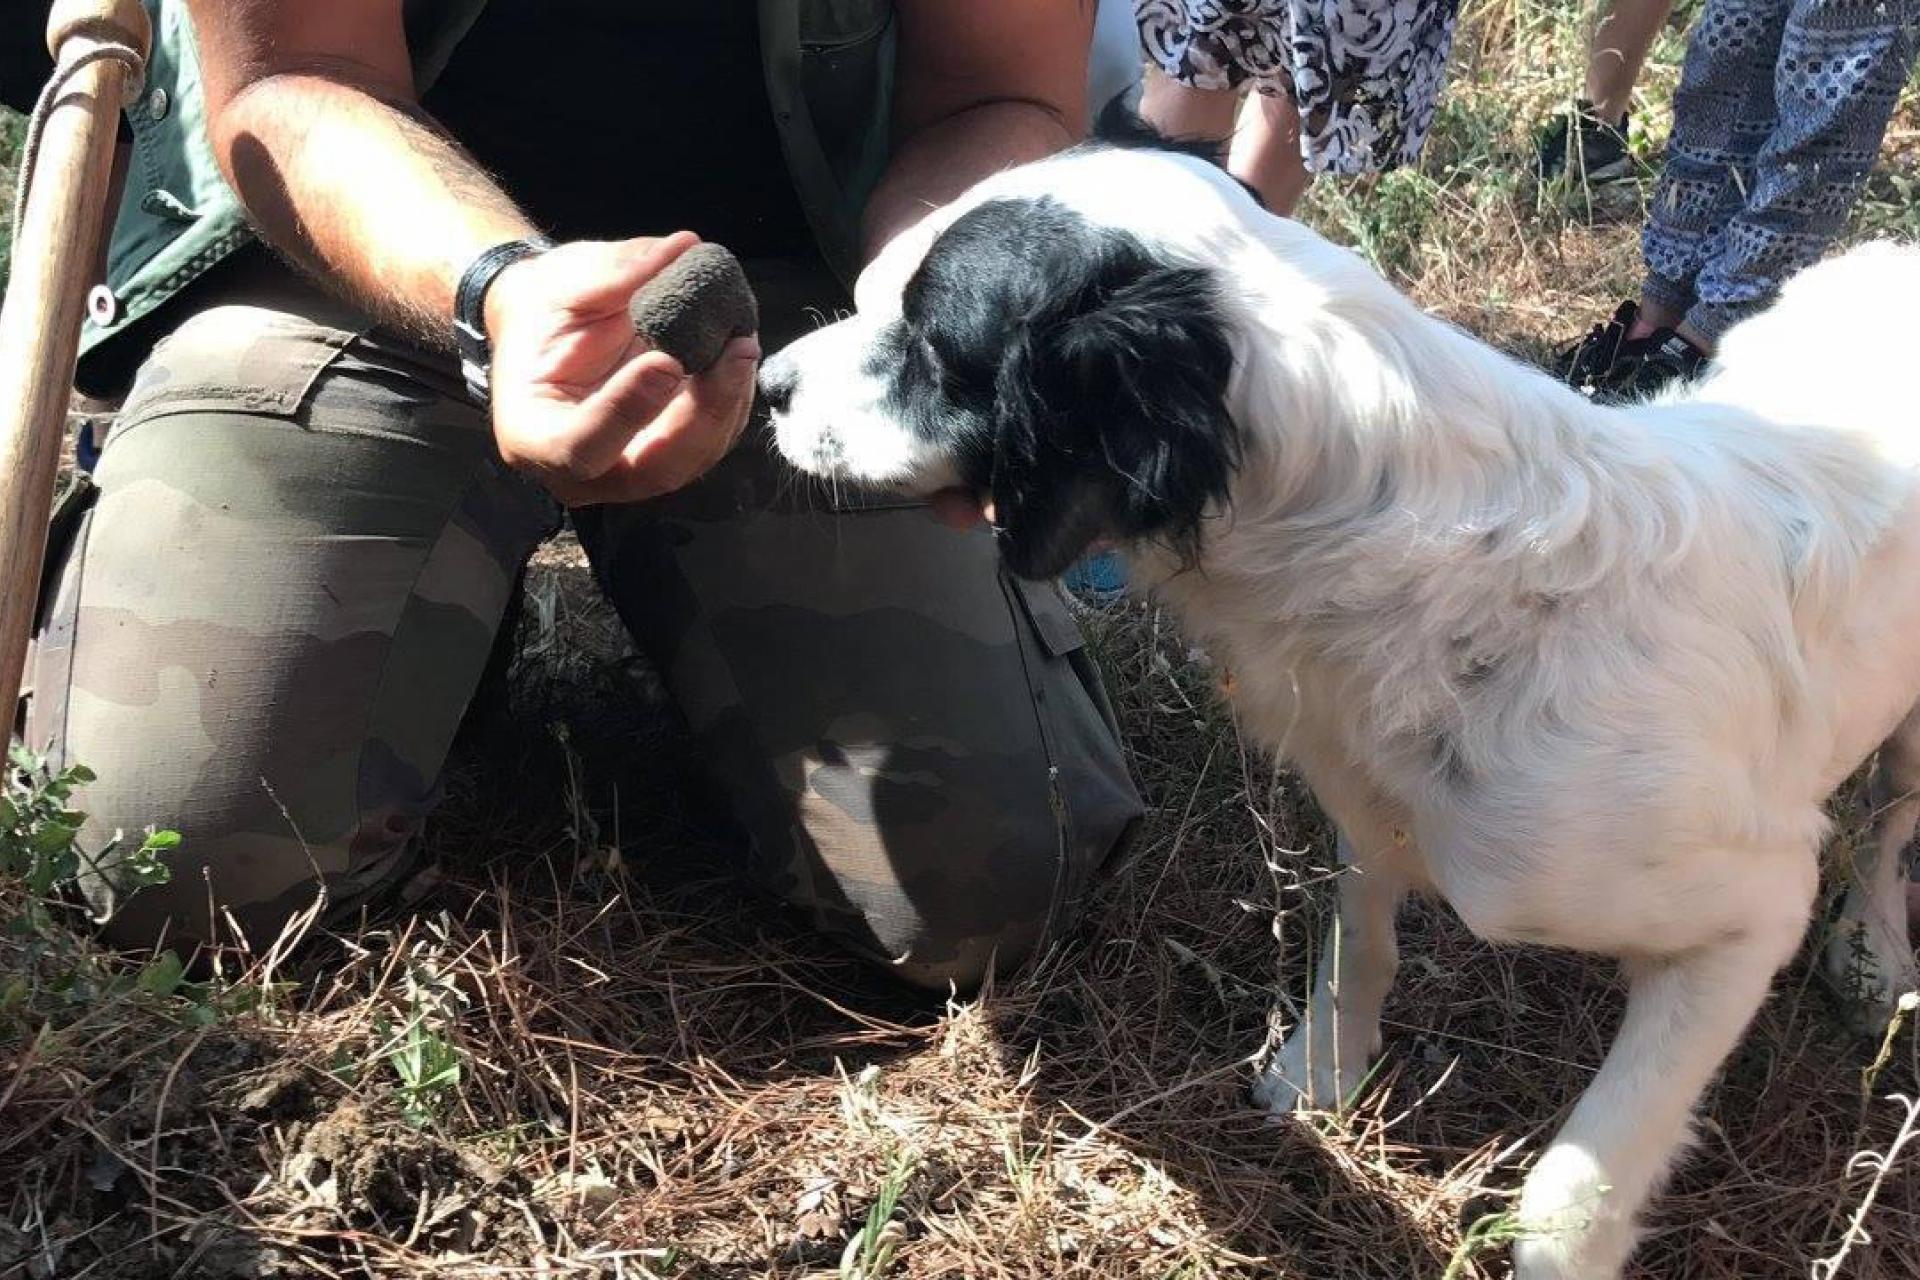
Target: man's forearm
x,y
365,192
940,161
313,112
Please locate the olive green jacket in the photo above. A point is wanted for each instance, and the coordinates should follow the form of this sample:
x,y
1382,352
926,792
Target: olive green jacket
x,y
829,79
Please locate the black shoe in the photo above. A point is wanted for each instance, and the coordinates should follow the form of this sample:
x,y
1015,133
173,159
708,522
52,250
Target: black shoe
x,y
1589,362
1667,358
1580,145
1614,369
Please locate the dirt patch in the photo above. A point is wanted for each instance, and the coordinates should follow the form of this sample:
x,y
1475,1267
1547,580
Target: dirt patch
x,y
354,1170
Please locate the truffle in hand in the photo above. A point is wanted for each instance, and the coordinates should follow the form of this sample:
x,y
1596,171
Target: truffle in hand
x,y
696,306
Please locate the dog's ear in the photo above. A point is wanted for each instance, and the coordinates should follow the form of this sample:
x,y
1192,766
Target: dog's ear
x,y
1111,419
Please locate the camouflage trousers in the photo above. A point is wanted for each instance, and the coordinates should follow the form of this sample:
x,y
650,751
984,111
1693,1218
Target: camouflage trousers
x,y
268,625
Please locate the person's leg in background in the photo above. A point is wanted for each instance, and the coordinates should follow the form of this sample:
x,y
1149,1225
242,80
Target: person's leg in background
x,y
268,627
916,747
1182,111
1333,104
1723,113
1266,150
1259,131
1621,39
1589,143
1835,82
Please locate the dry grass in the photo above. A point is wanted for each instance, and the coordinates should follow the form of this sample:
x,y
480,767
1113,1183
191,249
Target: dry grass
x,y
662,1076
658,1075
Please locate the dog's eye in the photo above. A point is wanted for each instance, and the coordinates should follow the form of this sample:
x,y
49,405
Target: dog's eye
x,y
936,370
948,376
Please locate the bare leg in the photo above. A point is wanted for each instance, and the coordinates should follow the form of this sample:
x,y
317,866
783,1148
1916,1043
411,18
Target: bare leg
x,y
1182,112
1325,1057
1685,1012
1619,49
1266,152
1657,315
1869,956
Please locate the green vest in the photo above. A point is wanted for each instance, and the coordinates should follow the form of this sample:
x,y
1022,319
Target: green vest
x,y
829,78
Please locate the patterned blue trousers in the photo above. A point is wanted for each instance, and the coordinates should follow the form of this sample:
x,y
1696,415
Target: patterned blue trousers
x,y
1781,110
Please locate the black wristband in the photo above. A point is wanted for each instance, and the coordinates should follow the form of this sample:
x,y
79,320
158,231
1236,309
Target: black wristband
x,y
469,308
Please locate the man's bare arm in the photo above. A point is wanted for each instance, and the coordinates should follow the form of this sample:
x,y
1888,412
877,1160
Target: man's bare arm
x,y
316,122
982,86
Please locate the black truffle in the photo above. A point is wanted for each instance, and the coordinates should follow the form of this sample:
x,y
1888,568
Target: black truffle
x,y
693,308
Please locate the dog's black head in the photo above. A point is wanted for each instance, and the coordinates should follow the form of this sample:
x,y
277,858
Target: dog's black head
x,y
1068,374
1040,351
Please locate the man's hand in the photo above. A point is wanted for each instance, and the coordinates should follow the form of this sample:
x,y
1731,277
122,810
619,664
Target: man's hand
x,y
584,404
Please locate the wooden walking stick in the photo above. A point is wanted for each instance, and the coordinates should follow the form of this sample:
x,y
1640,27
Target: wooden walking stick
x,y
99,50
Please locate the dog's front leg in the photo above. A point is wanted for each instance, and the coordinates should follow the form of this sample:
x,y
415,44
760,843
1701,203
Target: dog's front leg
x,y
1325,1057
1684,1013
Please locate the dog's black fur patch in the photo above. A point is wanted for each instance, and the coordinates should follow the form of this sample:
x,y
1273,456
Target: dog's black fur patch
x,y
1071,374
1119,125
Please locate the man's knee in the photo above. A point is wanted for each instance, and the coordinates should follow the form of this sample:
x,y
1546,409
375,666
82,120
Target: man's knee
x,y
992,918
267,629
916,746
944,901
232,880
233,891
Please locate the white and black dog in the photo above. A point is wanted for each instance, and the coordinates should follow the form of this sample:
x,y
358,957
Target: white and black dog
x,y
1588,673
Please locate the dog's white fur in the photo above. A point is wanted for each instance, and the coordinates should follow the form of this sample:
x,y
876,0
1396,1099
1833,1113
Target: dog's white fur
x,y
1587,673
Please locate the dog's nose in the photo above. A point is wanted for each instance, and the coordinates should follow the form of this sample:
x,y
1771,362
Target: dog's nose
x,y
778,378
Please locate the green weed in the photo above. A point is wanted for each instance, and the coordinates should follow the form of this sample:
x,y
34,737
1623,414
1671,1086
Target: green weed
x,y
870,1254
41,859
427,1063
1490,1232
419,1051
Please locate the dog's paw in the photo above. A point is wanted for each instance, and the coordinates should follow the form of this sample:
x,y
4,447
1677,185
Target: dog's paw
x,y
1289,1082
1276,1093
1567,1226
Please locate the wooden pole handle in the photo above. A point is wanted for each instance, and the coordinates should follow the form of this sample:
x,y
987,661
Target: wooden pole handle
x,y
53,253
120,21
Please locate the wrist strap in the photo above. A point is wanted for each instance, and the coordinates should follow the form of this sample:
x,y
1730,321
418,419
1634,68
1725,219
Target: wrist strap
x,y
469,303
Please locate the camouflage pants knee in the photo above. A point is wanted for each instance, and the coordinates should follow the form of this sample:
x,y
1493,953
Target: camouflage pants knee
x,y
266,630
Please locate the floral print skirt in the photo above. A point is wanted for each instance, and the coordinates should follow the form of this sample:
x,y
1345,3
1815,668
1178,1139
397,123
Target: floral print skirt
x,y
1364,75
